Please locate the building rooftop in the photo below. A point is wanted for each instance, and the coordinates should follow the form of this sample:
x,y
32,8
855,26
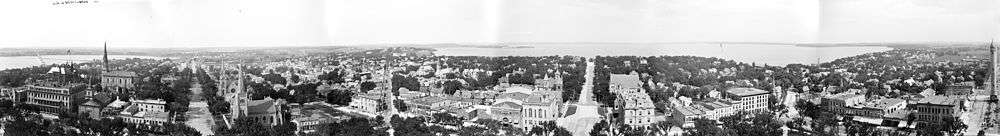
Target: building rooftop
x,y
516,96
55,87
120,74
118,104
427,100
715,105
898,114
373,96
969,83
92,103
310,115
508,104
745,91
625,81
265,106
940,100
151,101
883,103
845,96
688,112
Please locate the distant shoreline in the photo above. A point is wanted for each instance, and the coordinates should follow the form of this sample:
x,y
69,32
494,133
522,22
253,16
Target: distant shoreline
x,y
169,52
897,45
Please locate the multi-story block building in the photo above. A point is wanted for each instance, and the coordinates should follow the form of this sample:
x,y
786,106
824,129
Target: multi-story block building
x,y
310,120
717,109
367,102
839,103
148,120
53,97
527,106
686,115
150,105
748,99
935,109
633,102
879,108
13,93
962,88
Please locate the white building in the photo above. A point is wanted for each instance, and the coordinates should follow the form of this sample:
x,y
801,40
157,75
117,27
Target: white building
x,y
717,109
748,99
144,116
367,102
150,105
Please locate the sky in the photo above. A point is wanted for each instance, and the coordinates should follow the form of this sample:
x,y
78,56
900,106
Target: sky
x,y
243,23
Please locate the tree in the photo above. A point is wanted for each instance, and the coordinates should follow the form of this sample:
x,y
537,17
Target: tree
x,y
491,127
599,129
180,130
705,127
416,127
218,106
536,131
548,127
400,105
953,125
285,129
807,108
355,127
333,76
294,78
367,86
274,78
339,97
247,127
562,132
451,86
260,91
746,123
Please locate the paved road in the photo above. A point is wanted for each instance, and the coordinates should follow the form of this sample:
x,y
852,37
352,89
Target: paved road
x,y
581,123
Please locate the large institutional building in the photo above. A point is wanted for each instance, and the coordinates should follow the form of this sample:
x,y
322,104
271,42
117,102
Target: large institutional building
x,y
935,109
840,102
633,102
748,99
527,106
53,97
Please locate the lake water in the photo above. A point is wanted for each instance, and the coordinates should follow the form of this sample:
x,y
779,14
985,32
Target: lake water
x,y
771,54
28,61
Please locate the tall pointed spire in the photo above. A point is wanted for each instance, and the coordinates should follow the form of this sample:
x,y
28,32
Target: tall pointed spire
x,y
993,71
106,69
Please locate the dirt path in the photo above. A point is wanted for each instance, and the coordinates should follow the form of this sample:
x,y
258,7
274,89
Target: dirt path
x,y
198,115
585,116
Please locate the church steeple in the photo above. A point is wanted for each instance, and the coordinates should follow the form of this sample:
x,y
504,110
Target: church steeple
x,y
106,68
